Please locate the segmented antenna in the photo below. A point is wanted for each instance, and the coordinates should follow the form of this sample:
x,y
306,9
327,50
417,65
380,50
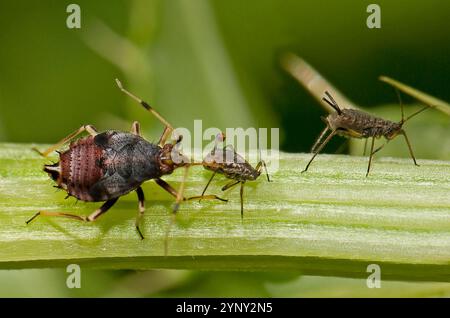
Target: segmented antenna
x,y
331,102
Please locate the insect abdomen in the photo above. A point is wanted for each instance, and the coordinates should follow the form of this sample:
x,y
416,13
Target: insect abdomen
x,y
363,123
79,168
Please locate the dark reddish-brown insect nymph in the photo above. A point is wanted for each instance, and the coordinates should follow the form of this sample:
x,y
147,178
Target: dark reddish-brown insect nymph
x,y
227,162
358,124
105,166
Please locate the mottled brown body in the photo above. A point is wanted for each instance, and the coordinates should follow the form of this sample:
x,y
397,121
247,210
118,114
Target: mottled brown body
x,y
227,162
358,124
230,164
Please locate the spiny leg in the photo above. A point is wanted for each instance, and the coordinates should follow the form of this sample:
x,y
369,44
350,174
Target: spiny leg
x,y
92,217
320,148
136,128
319,140
141,199
370,156
409,147
89,128
167,127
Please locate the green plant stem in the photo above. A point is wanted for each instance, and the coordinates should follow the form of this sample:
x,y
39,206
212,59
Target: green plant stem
x,y
331,220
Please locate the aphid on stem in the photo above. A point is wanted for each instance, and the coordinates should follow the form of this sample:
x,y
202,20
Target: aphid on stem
x,y
105,166
352,123
227,162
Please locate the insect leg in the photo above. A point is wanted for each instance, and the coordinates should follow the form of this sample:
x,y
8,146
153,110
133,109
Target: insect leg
x,y
89,128
207,185
371,155
319,140
242,199
141,200
365,146
230,185
105,207
136,128
261,164
409,147
167,127
163,184
319,148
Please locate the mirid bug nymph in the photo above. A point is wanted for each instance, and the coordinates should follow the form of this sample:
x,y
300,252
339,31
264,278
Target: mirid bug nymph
x,y
352,123
227,162
105,166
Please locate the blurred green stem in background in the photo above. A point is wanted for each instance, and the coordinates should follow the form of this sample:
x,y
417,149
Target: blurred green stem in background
x,y
330,221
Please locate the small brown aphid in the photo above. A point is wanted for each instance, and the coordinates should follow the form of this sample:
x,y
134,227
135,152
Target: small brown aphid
x,y
352,123
105,166
227,162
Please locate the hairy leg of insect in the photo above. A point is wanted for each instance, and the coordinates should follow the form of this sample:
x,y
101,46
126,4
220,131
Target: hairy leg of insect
x,y
136,128
261,164
242,199
333,132
92,217
168,127
319,140
409,147
371,155
141,200
89,128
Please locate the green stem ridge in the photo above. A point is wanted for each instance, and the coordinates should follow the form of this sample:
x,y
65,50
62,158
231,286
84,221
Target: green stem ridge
x,y
330,221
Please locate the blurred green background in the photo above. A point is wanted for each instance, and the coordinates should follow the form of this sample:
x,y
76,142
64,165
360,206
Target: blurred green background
x,y
217,61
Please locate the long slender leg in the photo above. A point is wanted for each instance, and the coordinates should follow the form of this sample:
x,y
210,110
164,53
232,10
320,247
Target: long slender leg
x,y
180,192
91,218
365,146
209,181
141,199
409,147
136,128
89,128
167,127
378,149
371,155
163,184
230,185
342,146
261,164
242,199
320,148
319,140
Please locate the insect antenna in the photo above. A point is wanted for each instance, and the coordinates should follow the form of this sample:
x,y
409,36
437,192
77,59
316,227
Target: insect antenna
x,y
416,113
331,102
261,161
401,105
403,120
